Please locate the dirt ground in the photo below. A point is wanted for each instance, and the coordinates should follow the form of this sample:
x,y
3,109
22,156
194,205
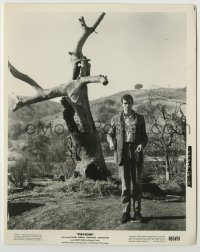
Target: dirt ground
x,y
100,213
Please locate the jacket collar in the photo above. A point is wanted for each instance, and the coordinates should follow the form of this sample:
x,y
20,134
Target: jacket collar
x,y
132,113
121,116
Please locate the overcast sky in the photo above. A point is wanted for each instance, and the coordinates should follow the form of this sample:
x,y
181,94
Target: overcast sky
x,y
130,47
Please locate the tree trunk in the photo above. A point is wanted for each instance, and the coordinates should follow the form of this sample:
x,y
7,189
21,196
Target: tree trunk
x,y
167,166
86,143
84,136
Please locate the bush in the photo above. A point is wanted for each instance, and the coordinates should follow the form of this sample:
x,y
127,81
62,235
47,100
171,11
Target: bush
x,y
22,171
105,113
138,86
173,187
15,130
109,102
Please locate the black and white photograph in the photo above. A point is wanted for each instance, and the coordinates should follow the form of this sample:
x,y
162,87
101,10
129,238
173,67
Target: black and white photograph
x,y
101,123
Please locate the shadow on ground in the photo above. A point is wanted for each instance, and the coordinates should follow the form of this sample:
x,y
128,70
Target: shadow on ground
x,y
17,208
147,219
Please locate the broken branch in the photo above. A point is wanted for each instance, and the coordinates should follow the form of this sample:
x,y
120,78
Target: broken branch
x,y
17,74
70,90
86,34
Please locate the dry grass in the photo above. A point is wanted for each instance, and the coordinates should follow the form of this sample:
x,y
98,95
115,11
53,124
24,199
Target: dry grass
x,y
79,187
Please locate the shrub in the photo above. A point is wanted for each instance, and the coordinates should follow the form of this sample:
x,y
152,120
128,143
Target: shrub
x,y
15,130
22,171
109,102
105,113
138,86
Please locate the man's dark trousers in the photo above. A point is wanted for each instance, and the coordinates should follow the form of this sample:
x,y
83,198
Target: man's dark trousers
x,y
130,171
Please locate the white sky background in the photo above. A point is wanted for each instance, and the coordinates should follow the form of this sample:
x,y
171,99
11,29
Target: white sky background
x,y
134,47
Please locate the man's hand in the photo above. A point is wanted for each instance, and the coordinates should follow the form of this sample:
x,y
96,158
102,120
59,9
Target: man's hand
x,y
139,148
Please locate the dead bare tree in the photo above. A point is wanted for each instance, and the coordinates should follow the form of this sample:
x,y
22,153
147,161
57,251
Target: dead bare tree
x,y
165,125
74,95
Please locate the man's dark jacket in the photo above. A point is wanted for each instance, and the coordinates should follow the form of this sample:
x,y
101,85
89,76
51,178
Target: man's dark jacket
x,y
116,134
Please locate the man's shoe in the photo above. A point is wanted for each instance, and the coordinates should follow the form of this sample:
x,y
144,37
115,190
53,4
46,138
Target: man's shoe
x,y
137,218
125,217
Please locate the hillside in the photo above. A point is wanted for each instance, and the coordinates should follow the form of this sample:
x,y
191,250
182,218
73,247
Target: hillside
x,y
168,96
37,111
102,108
140,95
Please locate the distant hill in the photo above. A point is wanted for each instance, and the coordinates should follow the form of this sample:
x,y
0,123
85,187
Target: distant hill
x,y
38,110
44,112
141,95
168,96
106,106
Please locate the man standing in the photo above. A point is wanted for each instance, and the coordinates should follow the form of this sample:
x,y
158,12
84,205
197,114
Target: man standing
x,y
127,137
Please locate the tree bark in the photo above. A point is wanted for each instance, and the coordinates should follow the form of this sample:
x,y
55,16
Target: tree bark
x,y
84,136
167,166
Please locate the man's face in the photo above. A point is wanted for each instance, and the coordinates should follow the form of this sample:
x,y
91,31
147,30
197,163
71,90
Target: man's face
x,y
127,106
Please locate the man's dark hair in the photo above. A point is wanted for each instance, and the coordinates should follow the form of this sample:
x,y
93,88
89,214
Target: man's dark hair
x,y
127,97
